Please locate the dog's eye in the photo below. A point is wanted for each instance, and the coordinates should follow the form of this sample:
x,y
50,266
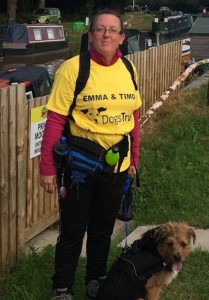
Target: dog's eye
x,y
183,244
170,244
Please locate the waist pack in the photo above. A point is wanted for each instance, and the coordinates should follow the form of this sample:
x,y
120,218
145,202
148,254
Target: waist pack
x,y
86,157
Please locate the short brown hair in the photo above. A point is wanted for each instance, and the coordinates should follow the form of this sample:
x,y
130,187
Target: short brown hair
x,y
105,12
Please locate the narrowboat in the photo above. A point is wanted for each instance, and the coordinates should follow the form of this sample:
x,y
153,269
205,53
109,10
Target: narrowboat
x,y
168,22
37,80
27,40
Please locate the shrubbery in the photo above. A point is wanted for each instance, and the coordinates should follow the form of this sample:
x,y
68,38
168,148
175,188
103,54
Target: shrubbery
x,y
137,8
129,8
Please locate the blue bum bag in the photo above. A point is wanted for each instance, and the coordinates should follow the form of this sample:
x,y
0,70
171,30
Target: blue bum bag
x,y
81,166
79,160
84,158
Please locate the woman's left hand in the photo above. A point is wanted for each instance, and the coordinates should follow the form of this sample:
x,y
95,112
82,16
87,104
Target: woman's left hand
x,y
132,171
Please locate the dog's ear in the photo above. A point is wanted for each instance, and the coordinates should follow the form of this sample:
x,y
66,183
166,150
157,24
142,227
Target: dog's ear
x,y
149,236
161,233
192,234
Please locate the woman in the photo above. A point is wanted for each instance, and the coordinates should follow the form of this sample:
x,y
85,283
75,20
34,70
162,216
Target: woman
x,y
106,111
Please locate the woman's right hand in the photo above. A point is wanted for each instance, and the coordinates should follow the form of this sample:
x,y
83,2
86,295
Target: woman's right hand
x,y
48,183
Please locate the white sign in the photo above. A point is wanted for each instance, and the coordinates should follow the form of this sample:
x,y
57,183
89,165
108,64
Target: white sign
x,y
38,121
87,21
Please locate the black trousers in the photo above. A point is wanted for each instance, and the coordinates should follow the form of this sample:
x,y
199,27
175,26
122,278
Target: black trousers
x,y
91,207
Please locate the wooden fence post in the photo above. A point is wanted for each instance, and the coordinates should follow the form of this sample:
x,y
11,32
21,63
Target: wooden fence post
x,y
21,165
12,124
4,180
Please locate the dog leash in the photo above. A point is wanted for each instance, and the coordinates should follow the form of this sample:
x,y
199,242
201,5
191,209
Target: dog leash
x,y
126,207
126,228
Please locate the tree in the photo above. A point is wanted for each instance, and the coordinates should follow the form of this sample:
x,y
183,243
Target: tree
x,y
112,4
11,10
41,4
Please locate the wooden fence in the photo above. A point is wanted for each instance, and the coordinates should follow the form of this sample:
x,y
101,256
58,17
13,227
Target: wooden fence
x,y
158,68
25,209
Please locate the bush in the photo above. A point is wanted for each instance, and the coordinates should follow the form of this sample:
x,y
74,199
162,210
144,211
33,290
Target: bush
x,y
129,8
3,18
137,8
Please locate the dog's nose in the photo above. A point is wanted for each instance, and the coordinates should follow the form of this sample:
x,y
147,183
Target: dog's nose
x,y
177,258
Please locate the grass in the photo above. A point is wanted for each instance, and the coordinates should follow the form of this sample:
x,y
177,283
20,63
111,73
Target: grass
x,y
175,163
137,20
174,171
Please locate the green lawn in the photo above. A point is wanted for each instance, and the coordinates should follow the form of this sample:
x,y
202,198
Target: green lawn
x,y
175,163
31,278
174,169
142,22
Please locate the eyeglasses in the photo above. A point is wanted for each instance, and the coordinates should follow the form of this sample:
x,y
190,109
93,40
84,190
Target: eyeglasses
x,y
102,30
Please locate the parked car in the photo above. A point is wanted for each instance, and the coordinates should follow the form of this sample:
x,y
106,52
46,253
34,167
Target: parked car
x,y
46,15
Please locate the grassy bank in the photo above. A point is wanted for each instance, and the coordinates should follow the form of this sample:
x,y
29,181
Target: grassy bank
x,y
175,163
137,20
174,186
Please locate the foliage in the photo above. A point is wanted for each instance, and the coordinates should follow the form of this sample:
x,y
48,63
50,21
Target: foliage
x,y
129,8
29,276
175,163
84,7
137,8
183,5
3,18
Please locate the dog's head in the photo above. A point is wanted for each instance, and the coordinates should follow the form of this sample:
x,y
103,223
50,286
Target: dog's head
x,y
173,242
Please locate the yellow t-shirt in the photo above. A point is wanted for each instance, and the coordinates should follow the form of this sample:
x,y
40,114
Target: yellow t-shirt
x,y
104,108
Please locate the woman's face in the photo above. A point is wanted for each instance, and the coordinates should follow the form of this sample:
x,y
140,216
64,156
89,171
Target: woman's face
x,y
106,34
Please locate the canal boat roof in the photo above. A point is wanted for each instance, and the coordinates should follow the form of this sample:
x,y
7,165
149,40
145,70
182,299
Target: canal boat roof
x,y
165,14
32,34
36,79
23,41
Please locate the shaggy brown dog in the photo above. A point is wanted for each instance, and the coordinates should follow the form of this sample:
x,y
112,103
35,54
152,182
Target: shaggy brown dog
x,y
149,265
173,241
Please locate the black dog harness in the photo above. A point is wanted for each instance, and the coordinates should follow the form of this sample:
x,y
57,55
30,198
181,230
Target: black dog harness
x,y
142,263
128,276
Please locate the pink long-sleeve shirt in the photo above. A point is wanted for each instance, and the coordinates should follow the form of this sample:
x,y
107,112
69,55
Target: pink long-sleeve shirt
x,y
55,124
